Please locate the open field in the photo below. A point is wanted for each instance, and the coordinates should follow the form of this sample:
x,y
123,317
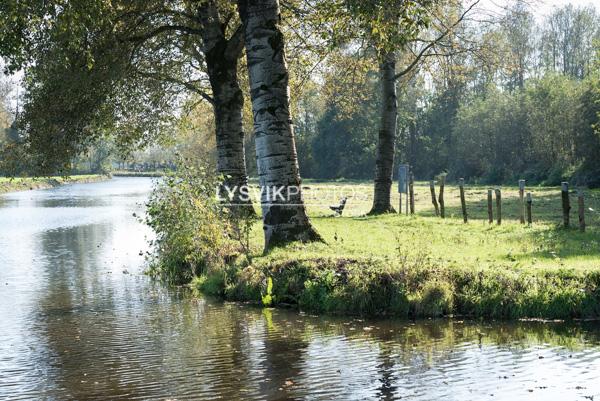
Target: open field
x,y
15,184
423,265
545,244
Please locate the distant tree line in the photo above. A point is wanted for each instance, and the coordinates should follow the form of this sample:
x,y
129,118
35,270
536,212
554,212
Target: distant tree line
x,y
515,99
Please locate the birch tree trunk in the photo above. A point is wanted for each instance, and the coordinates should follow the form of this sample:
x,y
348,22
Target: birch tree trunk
x,y
221,56
386,145
284,214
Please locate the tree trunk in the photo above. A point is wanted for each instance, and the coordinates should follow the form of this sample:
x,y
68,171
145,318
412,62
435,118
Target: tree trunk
x,y
387,137
231,158
284,214
228,105
221,56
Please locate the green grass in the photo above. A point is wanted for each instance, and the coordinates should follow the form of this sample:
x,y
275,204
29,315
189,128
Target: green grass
x,y
544,245
8,184
423,265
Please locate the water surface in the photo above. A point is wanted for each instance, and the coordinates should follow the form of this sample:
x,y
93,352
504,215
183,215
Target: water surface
x,y
79,320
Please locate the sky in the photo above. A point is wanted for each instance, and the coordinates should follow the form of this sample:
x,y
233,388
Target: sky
x,y
540,8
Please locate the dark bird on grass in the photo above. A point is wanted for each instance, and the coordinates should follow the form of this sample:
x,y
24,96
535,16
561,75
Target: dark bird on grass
x,y
339,209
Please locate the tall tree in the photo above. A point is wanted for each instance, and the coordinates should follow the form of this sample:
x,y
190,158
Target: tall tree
x,y
221,55
125,62
390,28
518,30
283,210
386,144
5,115
392,32
384,26
567,40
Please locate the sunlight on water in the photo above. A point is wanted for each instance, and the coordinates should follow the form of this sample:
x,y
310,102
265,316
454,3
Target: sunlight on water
x,y
81,321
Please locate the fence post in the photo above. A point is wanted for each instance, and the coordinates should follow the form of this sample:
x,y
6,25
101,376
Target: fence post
x,y
490,207
411,192
581,205
433,198
529,202
399,202
566,204
521,201
498,205
463,204
441,197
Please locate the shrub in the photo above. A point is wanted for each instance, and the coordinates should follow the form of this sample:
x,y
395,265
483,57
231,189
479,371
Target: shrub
x,y
213,283
191,226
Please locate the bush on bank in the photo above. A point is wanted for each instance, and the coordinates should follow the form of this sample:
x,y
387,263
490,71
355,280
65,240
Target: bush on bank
x,y
191,226
372,287
200,243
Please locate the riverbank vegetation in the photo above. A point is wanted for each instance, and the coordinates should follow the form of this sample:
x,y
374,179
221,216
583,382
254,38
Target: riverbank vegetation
x,y
14,184
390,265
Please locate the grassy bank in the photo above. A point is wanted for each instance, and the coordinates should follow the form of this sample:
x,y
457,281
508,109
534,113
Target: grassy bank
x,y
29,183
421,265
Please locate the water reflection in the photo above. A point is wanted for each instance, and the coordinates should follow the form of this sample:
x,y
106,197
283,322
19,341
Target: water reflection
x,y
80,321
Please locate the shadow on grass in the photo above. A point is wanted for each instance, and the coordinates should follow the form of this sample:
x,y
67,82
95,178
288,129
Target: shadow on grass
x,y
562,243
554,241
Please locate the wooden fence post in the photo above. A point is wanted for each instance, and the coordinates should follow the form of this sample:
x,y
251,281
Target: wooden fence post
x,y
566,204
521,201
433,198
441,197
498,206
399,202
581,204
529,202
411,192
490,207
463,204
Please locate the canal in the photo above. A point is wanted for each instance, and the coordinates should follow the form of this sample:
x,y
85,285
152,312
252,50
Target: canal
x,y
79,320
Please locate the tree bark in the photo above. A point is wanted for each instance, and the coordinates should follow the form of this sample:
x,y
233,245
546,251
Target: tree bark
x,y
221,56
284,217
231,158
386,145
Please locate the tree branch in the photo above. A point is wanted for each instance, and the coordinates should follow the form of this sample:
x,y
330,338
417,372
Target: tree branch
x,y
188,85
436,40
164,28
235,44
